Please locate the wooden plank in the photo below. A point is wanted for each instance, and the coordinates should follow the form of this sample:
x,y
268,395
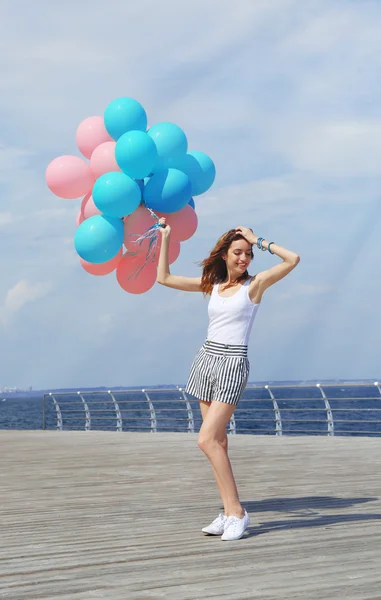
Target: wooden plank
x,y
118,516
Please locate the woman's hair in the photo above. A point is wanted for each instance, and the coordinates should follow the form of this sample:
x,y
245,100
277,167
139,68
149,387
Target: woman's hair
x,y
214,267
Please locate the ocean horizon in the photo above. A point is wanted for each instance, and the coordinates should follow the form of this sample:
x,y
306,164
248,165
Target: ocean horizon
x,y
335,407
23,393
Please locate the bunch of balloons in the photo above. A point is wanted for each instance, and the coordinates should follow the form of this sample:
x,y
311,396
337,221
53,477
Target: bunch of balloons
x,y
134,176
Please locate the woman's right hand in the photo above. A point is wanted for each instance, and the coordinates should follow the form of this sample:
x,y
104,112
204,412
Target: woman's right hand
x,y
165,229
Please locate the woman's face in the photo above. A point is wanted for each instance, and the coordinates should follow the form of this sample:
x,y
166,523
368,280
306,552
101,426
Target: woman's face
x,y
238,257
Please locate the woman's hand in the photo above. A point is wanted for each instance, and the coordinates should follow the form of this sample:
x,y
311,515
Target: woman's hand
x,y
165,229
247,234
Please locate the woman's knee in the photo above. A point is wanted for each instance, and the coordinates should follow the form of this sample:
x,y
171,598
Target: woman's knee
x,y
207,442
203,442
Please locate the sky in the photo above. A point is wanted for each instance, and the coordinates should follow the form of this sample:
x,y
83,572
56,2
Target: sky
x,y
284,95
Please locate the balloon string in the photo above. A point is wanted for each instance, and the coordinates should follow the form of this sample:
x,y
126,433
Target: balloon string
x,y
153,214
150,234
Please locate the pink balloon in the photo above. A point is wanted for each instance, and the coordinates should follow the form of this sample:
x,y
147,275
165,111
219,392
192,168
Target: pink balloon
x,y
90,134
131,281
69,177
84,201
103,159
183,223
103,268
80,216
79,219
135,225
89,209
138,223
173,253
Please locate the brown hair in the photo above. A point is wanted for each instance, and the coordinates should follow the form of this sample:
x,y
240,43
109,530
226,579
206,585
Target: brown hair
x,y
214,267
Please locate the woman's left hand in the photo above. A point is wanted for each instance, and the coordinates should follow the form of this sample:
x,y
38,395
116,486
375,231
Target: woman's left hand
x,y
247,233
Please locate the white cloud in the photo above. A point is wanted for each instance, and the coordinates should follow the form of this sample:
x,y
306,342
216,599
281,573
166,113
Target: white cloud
x,y
307,289
335,30
106,322
49,214
7,218
333,148
12,160
19,296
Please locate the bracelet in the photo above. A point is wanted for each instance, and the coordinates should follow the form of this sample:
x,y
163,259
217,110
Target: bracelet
x,y
259,244
268,248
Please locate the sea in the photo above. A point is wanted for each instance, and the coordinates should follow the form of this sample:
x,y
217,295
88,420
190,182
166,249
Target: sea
x,y
283,408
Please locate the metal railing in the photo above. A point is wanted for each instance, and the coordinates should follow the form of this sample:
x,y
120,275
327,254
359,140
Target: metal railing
x,y
315,409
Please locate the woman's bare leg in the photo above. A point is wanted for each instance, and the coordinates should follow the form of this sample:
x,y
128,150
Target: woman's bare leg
x,y
211,441
204,407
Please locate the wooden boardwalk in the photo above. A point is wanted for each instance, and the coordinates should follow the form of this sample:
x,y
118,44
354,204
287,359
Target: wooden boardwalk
x,y
88,515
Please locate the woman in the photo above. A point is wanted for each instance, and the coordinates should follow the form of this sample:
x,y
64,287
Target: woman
x,y
220,370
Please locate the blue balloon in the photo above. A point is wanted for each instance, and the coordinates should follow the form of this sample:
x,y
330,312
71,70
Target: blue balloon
x,y
140,183
171,143
200,169
98,239
191,202
136,154
168,191
116,195
124,114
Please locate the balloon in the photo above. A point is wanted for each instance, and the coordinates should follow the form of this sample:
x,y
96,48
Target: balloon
x,y
183,223
102,268
124,114
200,170
90,134
84,200
133,277
136,154
103,159
69,177
140,183
168,191
137,224
89,209
170,141
116,194
80,216
191,203
79,219
98,239
134,226
173,252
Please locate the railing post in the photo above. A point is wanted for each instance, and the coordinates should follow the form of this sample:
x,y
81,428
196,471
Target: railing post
x,y
43,413
331,427
87,413
152,413
189,412
232,425
58,412
278,420
119,423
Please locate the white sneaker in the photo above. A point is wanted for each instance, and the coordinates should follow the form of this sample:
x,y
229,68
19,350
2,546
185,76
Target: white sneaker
x,y
235,527
217,526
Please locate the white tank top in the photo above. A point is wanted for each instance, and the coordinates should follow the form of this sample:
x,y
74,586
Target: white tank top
x,y
231,319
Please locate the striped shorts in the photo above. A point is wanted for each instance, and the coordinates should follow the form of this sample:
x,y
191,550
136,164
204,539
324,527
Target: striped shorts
x,y
219,372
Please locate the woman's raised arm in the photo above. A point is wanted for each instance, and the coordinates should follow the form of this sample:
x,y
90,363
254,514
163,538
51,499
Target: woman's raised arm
x,y
164,277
